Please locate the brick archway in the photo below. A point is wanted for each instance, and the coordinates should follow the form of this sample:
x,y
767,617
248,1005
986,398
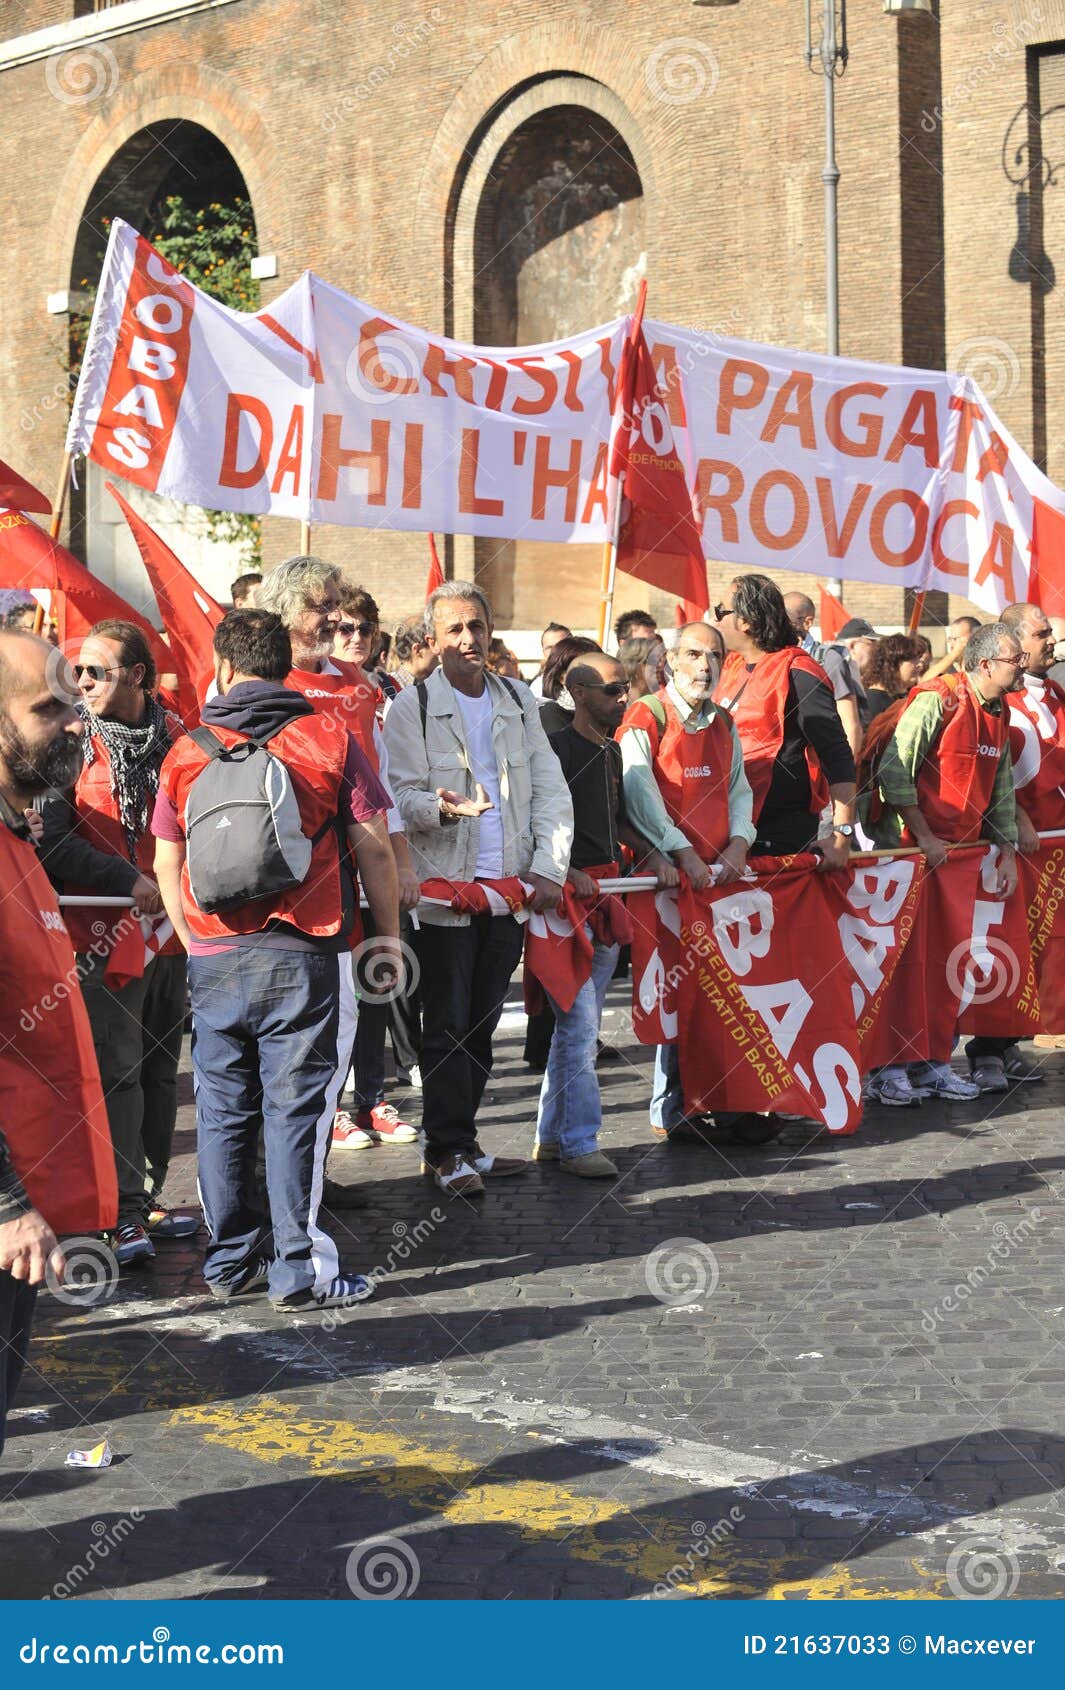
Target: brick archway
x,y
180,93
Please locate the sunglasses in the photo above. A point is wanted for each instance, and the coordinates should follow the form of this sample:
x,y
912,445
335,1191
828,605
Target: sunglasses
x,y
721,611
613,689
363,629
95,671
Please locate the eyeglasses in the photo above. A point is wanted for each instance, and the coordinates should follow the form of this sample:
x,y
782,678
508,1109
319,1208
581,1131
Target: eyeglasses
x,y
363,629
95,671
1014,662
613,689
721,611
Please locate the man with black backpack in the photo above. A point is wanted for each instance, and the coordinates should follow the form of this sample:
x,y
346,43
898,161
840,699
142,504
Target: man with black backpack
x,y
256,813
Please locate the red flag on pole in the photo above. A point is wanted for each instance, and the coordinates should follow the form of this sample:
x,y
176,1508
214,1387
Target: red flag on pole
x,y
31,558
833,617
18,494
659,540
436,573
1046,582
190,615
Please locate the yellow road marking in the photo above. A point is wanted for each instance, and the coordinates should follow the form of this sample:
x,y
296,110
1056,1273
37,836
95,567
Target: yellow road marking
x,y
442,1483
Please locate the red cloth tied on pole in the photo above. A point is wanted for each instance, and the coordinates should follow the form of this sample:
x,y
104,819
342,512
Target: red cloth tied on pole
x,y
436,571
16,493
190,615
833,617
54,1117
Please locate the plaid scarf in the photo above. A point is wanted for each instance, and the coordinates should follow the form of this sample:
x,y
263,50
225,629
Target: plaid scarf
x,y
135,756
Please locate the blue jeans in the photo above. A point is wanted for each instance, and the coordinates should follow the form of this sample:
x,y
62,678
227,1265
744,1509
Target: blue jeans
x,y
272,1037
571,1109
667,1093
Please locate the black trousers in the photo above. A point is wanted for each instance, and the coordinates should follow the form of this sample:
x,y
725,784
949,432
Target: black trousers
x,y
465,976
16,1318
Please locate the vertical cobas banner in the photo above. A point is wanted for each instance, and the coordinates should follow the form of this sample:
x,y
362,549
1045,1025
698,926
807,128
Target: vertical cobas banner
x,y
321,406
782,990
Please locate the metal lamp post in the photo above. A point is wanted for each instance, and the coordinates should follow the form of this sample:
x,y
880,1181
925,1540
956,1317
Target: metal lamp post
x,y
829,56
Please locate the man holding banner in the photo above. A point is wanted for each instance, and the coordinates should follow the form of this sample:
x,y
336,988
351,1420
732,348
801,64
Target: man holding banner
x,y
687,793
945,778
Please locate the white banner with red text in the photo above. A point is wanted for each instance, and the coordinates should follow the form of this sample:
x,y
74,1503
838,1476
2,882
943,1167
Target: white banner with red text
x,y
322,407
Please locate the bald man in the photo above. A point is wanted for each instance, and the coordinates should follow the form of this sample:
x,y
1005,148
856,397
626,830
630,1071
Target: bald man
x,y
687,792
833,661
569,1117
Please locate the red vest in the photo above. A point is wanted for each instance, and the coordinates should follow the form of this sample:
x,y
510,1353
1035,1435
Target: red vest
x,y
956,779
756,704
314,755
692,771
348,700
51,1104
1037,728
98,823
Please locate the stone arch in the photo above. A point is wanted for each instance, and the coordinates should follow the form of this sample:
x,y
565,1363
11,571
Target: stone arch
x,y
546,233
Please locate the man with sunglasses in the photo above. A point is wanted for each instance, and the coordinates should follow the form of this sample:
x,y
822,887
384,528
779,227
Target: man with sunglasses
x,y
945,778
570,1112
687,793
98,841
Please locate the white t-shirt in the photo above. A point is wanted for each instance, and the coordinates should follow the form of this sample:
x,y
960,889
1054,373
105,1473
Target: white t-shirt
x,y
477,723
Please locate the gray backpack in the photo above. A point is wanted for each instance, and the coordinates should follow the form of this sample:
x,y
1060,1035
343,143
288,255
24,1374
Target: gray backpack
x,y
243,833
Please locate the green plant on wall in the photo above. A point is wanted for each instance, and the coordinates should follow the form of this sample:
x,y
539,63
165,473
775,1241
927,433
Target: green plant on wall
x,y
213,246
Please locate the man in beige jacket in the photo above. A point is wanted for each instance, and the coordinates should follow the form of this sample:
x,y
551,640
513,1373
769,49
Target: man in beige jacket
x,y
482,797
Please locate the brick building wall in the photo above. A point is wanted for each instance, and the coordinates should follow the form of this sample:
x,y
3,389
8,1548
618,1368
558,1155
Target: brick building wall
x,y
375,141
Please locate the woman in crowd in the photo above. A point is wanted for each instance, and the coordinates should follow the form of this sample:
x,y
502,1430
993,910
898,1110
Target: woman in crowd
x,y
556,711
644,663
892,673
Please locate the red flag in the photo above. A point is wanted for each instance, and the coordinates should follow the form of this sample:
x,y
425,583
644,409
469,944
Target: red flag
x,y
834,616
190,615
18,494
436,573
1046,581
659,538
31,558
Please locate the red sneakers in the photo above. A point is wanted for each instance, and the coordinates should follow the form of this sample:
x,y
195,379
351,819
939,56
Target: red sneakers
x,y
383,1125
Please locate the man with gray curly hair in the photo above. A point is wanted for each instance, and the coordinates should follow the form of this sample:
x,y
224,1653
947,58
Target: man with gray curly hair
x,y
946,778
483,798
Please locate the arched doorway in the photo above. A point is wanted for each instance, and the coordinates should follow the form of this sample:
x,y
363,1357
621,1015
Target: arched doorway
x,y
171,180
549,237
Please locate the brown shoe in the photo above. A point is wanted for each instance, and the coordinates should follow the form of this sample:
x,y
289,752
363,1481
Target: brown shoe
x,y
456,1177
496,1167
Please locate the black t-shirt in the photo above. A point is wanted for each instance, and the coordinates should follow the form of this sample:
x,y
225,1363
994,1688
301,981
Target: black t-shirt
x,y
810,717
593,775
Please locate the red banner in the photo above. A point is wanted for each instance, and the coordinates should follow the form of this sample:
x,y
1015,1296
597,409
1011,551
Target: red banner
x,y
781,989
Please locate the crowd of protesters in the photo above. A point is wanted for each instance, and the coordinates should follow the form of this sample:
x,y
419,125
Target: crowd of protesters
x,y
332,760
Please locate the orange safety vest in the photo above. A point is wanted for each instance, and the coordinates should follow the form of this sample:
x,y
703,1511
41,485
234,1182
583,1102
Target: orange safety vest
x,y
99,824
691,769
1042,797
957,777
53,1113
756,702
314,755
348,700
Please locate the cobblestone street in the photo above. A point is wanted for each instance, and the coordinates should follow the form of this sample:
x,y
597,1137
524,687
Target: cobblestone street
x,y
816,1369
